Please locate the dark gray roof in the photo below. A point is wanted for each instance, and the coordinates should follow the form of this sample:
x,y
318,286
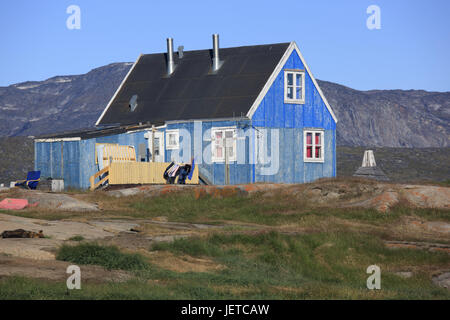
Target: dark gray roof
x,y
371,173
192,91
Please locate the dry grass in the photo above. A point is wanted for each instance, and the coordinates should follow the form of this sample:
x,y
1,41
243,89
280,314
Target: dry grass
x,y
183,263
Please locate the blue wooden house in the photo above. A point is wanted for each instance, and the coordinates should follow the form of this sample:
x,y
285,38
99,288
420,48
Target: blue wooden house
x,y
245,114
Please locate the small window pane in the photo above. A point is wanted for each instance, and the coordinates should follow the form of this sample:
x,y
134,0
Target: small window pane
x,y
309,152
172,139
318,152
298,79
228,134
298,92
290,92
290,79
318,142
230,152
219,153
218,134
156,146
309,138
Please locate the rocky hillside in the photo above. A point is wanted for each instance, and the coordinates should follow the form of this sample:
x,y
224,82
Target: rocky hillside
x,y
390,118
378,118
60,103
17,158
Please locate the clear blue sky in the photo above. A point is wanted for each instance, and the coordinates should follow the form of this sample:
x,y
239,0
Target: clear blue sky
x,y
410,51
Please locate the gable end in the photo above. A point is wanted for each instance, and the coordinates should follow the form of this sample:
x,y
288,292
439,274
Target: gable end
x,y
293,46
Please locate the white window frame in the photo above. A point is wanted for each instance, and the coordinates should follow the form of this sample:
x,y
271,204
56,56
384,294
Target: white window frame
x,y
313,144
214,130
295,100
176,146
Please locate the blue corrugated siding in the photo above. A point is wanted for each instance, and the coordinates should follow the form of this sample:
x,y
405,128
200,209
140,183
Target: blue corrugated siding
x,y
292,168
48,160
215,172
71,168
41,158
274,113
290,120
78,158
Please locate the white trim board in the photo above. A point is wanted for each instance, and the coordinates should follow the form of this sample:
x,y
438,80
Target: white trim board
x,y
207,120
118,89
58,139
293,46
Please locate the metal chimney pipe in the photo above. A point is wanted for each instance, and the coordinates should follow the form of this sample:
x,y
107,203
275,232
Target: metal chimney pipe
x,y
216,60
170,61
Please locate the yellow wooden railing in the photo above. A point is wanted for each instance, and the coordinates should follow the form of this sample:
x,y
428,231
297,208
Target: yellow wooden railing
x,y
95,185
115,152
136,173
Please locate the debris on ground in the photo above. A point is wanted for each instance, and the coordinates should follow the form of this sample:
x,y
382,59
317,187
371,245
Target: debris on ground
x,y
56,201
20,233
442,280
13,204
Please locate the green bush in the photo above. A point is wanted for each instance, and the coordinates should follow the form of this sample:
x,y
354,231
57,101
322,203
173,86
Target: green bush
x,y
109,257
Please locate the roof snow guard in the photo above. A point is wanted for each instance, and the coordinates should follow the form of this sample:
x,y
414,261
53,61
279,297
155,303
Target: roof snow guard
x,y
369,169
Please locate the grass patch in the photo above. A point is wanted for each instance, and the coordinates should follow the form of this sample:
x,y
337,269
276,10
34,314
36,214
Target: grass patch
x,y
269,265
20,288
312,266
109,257
278,209
76,238
185,207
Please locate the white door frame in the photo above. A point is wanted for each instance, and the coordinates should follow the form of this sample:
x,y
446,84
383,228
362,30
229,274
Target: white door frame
x,y
160,136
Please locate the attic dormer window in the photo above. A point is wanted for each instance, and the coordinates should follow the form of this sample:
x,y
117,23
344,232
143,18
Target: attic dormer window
x,y
133,102
294,86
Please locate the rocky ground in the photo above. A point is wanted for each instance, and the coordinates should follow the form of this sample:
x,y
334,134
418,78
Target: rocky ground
x,y
105,217
380,196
